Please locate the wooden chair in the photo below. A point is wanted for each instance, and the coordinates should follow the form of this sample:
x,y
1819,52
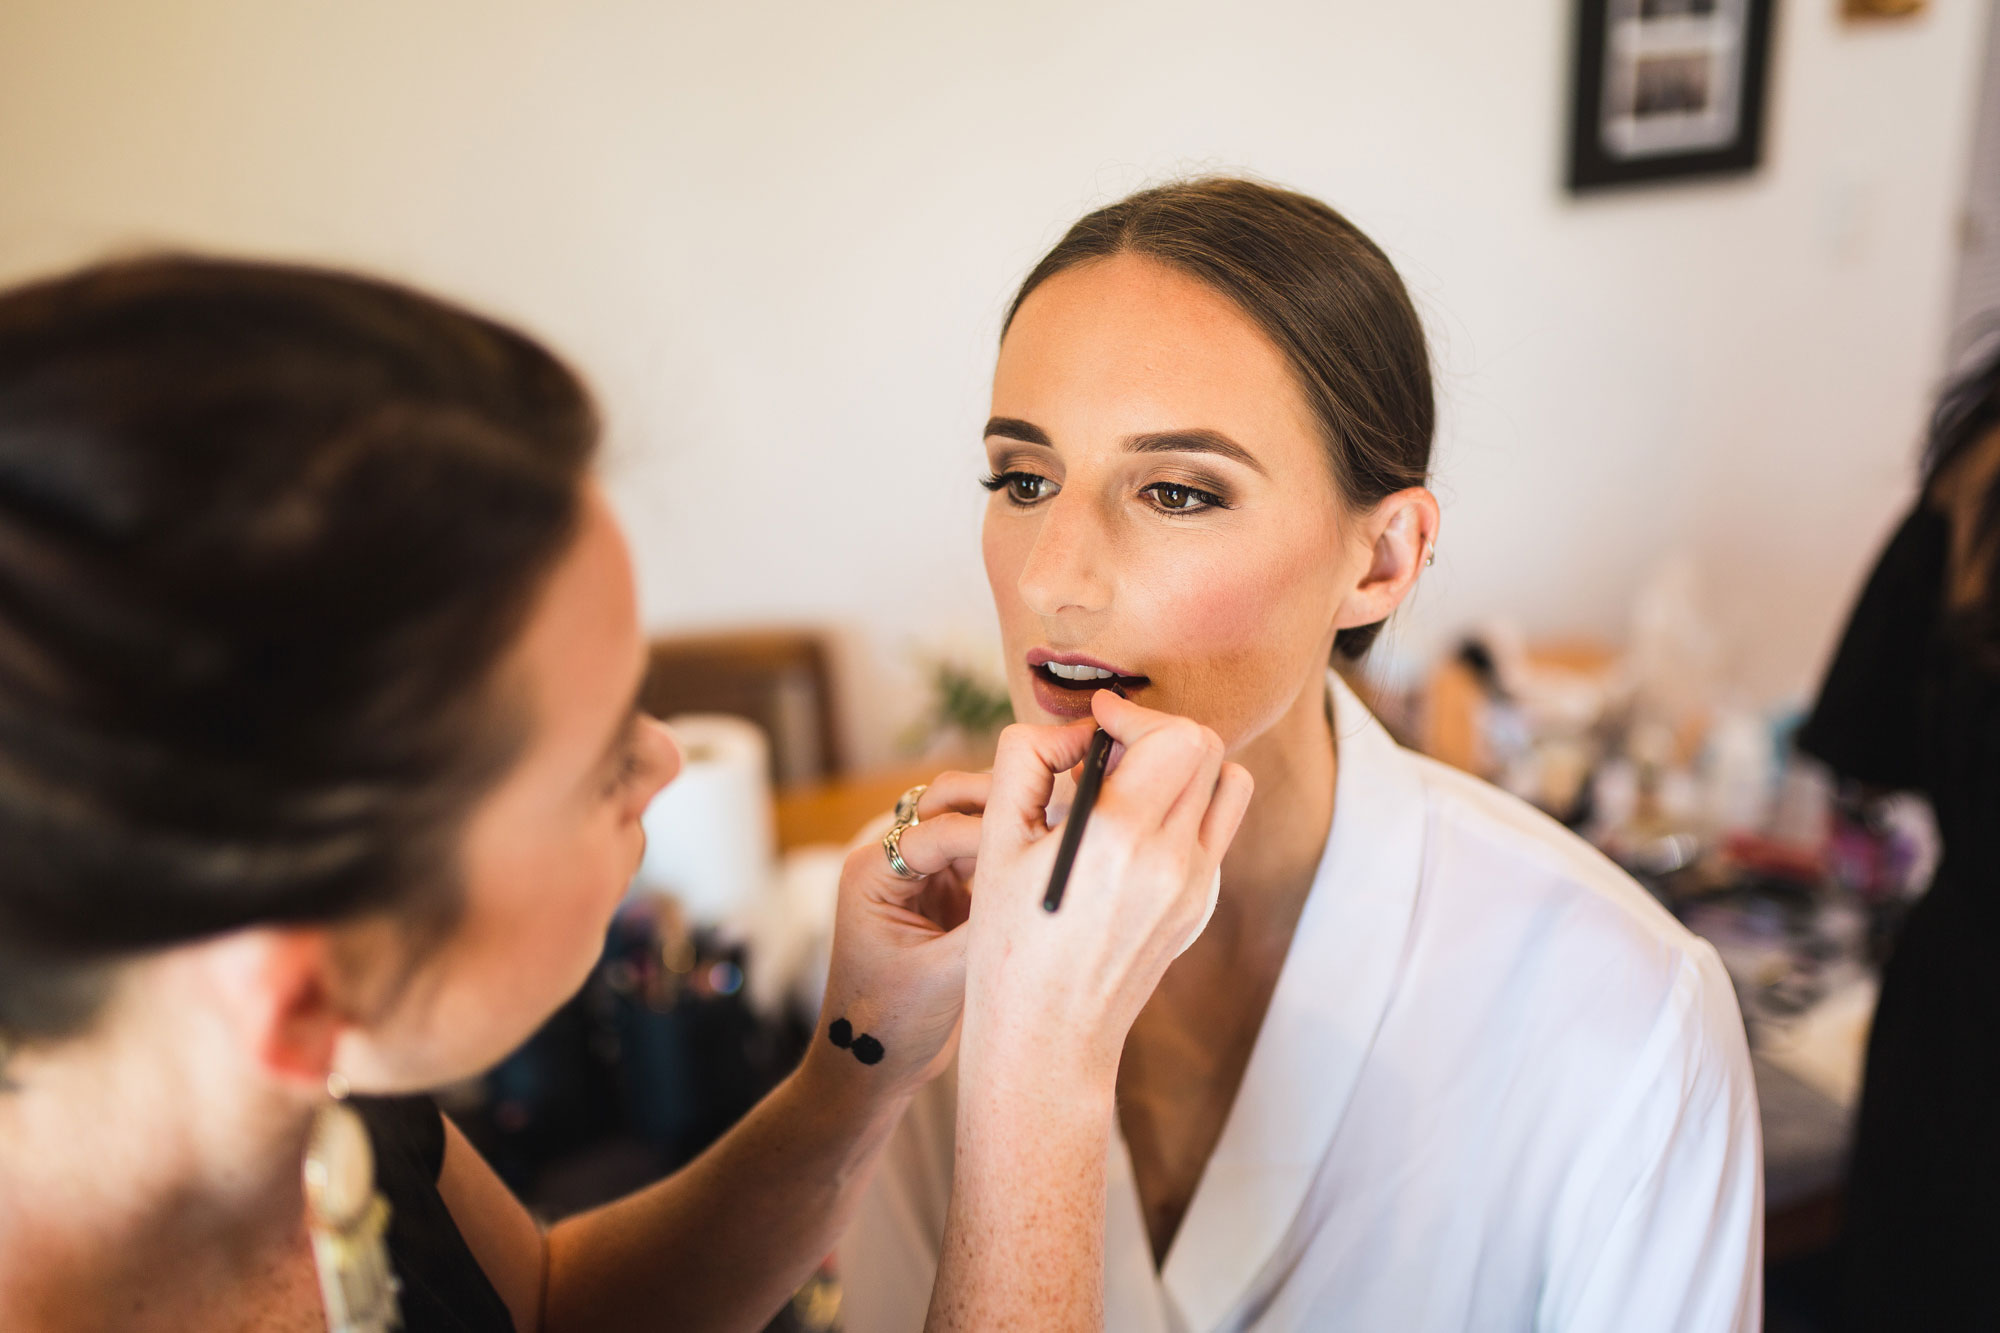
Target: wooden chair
x,y
779,679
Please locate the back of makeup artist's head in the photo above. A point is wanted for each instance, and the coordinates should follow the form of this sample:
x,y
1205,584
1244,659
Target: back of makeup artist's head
x,y
1236,308
284,556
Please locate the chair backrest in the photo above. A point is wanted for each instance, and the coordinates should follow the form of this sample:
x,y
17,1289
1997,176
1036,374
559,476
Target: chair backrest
x,y
779,679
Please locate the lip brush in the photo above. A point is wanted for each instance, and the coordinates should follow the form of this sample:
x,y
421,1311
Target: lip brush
x,y
1087,784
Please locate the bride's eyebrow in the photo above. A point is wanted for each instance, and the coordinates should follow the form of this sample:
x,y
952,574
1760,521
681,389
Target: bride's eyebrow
x,y
1197,441
1013,428
1193,442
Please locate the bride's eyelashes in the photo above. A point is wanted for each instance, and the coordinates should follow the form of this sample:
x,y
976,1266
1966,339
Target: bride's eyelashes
x,y
1178,497
1024,490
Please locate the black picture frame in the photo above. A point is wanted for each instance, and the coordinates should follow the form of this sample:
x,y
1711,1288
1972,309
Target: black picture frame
x,y
1688,80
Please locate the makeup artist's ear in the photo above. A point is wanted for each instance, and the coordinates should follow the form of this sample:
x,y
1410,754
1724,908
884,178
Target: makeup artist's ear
x,y
1401,532
281,989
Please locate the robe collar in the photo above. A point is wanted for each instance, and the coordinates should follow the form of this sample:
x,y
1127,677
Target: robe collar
x,y
1336,983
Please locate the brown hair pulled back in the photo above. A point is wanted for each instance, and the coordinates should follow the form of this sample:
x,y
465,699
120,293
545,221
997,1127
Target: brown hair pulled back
x,y
265,534
1324,293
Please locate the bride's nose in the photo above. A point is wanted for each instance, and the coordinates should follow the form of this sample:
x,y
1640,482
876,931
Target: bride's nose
x,y
1068,567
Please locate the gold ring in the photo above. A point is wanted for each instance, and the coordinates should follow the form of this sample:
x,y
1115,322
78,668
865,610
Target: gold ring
x,y
892,848
906,804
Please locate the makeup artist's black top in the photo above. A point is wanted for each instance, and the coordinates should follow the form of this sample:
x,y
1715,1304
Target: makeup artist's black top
x,y
1907,705
444,1289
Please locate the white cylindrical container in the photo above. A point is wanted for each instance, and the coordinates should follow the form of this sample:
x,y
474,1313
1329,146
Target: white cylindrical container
x,y
711,837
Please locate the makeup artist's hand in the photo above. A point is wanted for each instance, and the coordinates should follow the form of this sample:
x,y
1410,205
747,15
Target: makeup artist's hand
x,y
1064,988
898,970
1049,998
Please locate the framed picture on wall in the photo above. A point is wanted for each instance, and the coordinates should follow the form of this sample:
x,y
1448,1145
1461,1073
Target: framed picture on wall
x,y
1667,88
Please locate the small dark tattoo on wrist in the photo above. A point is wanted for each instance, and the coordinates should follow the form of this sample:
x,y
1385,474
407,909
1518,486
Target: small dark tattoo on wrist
x,y
866,1049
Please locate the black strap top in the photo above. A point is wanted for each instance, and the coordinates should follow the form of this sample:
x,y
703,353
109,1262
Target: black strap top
x,y
444,1290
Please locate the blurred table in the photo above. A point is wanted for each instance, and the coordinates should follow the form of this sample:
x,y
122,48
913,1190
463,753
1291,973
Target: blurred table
x,y
834,811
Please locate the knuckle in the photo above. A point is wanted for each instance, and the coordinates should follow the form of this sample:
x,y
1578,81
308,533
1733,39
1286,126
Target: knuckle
x,y
953,828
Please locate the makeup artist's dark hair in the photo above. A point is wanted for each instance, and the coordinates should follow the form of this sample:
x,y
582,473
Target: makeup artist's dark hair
x,y
266,533
1322,291
1967,419
1968,407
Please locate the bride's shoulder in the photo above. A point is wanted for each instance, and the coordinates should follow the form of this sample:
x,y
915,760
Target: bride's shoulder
x,y
1515,874
1525,917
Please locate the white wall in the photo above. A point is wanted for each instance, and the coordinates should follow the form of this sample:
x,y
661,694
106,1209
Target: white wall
x,y
779,236
1976,304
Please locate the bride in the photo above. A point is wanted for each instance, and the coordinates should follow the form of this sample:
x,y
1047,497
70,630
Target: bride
x,y
1435,1063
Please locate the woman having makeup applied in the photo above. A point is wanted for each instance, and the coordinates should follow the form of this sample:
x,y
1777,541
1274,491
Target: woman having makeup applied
x,y
1435,1064
320,780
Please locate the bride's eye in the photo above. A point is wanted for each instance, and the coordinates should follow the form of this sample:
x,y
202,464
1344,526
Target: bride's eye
x,y
1175,498
1022,488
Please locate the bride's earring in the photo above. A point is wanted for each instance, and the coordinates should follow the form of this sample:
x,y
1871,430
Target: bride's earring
x,y
349,1221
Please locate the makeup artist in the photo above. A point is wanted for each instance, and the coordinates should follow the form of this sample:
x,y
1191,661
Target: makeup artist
x,y
320,778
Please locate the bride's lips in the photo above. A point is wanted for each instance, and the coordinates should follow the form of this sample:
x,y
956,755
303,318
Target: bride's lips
x,y
1064,682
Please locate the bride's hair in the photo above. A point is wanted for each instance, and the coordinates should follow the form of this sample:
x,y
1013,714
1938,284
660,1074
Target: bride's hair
x,y
1323,292
265,534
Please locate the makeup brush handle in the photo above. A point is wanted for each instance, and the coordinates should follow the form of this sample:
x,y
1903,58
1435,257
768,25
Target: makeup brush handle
x,y
1087,784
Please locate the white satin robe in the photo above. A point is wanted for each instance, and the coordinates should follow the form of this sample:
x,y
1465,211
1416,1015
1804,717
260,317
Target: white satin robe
x,y
1498,1087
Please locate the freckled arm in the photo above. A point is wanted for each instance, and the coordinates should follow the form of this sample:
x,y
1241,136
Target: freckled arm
x,y
1024,1237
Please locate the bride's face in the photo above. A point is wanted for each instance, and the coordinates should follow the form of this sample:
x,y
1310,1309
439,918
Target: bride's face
x,y
1164,506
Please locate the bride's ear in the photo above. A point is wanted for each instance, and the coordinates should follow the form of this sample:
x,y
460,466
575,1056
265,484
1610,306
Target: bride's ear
x,y
1401,532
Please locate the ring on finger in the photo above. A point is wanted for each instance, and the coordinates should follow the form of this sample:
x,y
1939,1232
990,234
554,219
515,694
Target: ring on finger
x,y
892,848
906,804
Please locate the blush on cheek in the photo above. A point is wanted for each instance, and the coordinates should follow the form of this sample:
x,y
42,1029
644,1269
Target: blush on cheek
x,y
1248,635
1232,612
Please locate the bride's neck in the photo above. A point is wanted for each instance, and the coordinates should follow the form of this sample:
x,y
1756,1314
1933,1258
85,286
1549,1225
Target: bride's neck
x,y
137,1184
